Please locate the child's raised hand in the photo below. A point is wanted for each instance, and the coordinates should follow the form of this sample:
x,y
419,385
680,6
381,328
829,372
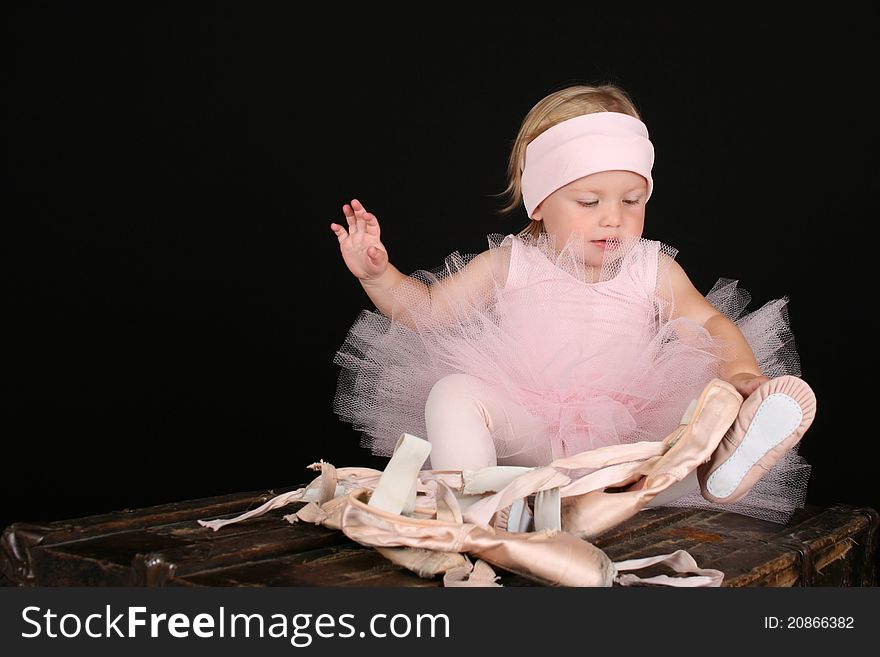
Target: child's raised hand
x,y
363,252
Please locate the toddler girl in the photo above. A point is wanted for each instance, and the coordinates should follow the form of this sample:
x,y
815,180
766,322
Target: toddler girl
x,y
574,333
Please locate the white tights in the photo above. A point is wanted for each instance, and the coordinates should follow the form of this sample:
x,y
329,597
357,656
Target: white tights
x,y
463,413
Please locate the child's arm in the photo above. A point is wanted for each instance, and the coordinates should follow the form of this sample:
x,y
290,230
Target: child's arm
x,y
442,301
742,371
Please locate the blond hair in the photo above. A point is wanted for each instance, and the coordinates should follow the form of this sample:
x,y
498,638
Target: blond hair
x,y
558,106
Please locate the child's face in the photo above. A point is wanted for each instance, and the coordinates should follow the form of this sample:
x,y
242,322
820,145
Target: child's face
x,y
601,205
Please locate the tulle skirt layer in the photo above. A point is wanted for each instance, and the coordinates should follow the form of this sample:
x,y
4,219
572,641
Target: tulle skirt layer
x,y
595,352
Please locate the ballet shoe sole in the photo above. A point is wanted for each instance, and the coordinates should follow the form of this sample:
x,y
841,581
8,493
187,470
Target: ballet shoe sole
x,y
590,514
771,421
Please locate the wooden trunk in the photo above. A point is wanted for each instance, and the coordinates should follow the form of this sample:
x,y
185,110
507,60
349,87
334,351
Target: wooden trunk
x,y
165,546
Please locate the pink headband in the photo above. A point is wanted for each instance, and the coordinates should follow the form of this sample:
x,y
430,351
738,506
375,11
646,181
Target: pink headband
x,y
585,144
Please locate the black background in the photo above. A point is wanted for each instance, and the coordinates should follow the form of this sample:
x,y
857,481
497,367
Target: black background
x,y
175,293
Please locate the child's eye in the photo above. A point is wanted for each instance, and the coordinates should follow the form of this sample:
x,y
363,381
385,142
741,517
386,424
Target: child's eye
x,y
592,204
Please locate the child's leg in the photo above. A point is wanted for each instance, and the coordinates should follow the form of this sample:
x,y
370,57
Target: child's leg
x,y
463,413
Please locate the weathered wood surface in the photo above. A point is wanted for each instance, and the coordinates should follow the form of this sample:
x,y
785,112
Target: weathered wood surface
x,y
165,546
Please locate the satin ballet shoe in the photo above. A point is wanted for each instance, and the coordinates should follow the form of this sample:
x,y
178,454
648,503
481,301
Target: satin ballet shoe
x,y
517,517
771,421
430,536
687,447
549,556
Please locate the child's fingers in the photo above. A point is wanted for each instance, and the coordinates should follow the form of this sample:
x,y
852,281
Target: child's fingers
x,y
340,232
348,211
359,213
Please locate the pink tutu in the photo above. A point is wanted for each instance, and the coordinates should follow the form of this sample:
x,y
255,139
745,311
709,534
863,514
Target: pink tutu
x,y
595,352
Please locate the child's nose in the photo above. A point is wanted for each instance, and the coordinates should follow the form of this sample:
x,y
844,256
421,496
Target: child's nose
x,y
611,218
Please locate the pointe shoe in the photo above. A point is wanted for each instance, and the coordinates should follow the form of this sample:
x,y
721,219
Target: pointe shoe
x,y
517,517
373,514
550,557
771,421
691,444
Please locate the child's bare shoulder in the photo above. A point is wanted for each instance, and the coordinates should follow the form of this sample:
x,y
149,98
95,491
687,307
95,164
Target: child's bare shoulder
x,y
497,258
477,277
671,277
485,267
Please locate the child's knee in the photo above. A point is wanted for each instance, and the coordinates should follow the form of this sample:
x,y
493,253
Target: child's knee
x,y
450,387
456,402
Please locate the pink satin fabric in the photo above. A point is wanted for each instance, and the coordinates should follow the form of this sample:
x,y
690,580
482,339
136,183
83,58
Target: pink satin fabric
x,y
438,534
